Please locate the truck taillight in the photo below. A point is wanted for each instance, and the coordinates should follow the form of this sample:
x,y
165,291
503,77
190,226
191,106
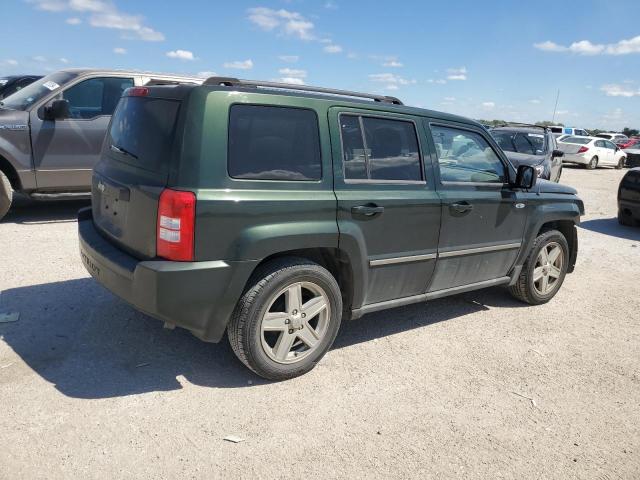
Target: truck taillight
x,y
176,225
583,149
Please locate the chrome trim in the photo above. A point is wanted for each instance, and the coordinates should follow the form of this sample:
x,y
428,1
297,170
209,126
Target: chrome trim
x,y
410,258
470,251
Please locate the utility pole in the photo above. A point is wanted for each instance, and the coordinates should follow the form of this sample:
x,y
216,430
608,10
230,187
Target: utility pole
x,y
553,119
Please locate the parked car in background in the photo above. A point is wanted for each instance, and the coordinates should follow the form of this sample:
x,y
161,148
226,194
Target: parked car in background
x,y
630,143
51,131
273,211
530,145
629,198
577,132
614,137
592,152
633,156
11,84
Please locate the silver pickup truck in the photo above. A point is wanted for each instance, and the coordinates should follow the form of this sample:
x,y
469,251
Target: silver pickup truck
x,y
51,131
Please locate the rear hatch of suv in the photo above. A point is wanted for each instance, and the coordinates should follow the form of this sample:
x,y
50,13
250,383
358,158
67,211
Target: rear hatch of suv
x,y
138,154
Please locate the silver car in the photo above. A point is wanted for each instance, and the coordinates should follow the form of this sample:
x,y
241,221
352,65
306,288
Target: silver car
x,y
51,131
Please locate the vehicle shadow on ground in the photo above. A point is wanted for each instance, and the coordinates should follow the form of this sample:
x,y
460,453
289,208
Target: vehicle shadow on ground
x,y
610,226
30,212
90,345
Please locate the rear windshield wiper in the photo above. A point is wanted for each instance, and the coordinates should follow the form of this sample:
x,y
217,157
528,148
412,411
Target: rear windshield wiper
x,y
123,151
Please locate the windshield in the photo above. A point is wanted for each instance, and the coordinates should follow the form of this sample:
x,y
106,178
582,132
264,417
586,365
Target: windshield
x,y
520,142
24,98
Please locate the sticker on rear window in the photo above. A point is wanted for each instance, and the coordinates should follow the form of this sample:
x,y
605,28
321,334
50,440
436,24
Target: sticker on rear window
x,y
50,85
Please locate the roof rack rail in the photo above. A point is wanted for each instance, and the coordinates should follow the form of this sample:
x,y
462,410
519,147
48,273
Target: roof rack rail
x,y
234,82
163,81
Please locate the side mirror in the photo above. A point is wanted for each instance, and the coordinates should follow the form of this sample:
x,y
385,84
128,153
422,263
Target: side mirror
x,y
526,177
58,110
557,153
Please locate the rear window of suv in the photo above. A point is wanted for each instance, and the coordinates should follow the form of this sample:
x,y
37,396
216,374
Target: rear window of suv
x,y
273,143
142,131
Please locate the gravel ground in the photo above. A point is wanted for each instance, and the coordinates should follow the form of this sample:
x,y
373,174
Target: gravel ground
x,y
473,386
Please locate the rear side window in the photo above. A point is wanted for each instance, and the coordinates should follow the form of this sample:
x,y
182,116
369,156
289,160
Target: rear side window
x,y
273,143
96,96
380,149
142,131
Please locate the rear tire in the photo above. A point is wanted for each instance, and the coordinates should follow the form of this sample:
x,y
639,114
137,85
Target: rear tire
x,y
544,270
621,163
6,195
625,220
593,163
287,318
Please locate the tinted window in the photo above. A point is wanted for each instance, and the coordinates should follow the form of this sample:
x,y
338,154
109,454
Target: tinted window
x,y
143,130
96,96
465,156
273,143
520,142
388,150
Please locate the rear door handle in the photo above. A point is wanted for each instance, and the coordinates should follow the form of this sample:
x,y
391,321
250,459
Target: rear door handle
x,y
367,210
462,207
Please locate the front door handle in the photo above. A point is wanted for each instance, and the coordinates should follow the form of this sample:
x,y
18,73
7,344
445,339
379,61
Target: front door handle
x,y
462,207
368,210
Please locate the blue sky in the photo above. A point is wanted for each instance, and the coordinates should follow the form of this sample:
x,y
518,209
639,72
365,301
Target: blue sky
x,y
491,59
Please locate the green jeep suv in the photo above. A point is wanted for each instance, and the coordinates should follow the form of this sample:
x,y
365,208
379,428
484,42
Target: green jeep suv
x,y
272,212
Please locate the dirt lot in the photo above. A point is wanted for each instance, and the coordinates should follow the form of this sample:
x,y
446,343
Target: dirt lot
x,y
89,388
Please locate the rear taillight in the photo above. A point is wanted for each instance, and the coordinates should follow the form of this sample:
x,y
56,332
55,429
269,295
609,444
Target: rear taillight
x,y
136,92
176,225
583,149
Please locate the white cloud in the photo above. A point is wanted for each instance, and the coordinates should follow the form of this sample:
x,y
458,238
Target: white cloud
x,y
289,58
332,48
615,90
283,21
291,80
64,60
449,99
102,14
292,72
39,58
488,105
181,55
120,51
239,65
457,73
534,101
73,21
10,62
439,81
391,80
206,74
393,64
330,5
585,47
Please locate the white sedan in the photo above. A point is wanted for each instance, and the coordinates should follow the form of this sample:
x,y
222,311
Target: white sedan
x,y
591,152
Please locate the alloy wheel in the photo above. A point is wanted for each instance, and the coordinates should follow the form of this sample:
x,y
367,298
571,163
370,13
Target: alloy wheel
x,y
548,269
295,323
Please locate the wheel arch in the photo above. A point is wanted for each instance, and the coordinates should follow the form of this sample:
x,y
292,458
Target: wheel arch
x,y
336,261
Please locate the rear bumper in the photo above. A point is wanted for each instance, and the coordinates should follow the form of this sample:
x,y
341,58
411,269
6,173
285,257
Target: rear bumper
x,y
198,296
574,158
629,209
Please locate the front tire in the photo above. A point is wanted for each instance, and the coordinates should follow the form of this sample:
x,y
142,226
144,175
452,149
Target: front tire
x,y
593,163
544,270
287,319
6,195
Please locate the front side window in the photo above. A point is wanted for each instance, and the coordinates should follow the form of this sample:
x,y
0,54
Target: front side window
x,y
380,149
273,143
95,97
465,156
